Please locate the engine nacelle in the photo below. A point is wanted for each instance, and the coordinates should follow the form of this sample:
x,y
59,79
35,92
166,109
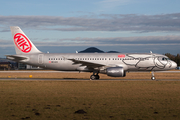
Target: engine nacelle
x,y
115,72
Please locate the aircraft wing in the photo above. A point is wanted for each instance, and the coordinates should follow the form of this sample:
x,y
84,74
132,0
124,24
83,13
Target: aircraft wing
x,y
15,57
85,63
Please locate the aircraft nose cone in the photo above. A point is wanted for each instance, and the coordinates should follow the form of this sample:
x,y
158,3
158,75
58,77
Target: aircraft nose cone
x,y
174,65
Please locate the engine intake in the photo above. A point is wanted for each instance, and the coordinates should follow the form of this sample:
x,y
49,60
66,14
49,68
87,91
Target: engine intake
x,y
115,72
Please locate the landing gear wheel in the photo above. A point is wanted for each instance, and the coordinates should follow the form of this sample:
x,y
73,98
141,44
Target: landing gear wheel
x,y
93,77
153,78
97,77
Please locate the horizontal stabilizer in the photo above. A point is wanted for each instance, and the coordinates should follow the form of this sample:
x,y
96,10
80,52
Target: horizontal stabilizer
x,y
15,57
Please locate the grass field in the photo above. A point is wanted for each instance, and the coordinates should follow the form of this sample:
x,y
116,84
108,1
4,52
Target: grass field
x,y
95,100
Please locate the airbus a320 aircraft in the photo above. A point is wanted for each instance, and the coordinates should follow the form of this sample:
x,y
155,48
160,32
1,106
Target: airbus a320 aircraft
x,y
112,64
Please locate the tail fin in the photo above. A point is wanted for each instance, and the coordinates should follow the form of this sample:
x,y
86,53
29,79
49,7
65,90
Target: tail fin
x,y
22,43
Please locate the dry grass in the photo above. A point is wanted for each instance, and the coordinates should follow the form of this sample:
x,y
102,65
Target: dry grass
x,y
105,100
56,75
124,100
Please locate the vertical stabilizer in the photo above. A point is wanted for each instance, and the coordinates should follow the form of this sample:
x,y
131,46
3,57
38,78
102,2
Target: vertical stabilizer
x,y
22,43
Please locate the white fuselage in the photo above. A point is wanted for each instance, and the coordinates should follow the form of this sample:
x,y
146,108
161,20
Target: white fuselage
x,y
129,62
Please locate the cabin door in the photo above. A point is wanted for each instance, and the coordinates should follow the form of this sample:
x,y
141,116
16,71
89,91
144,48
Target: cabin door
x,y
40,59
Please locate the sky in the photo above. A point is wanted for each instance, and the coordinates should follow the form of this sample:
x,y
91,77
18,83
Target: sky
x,y
67,26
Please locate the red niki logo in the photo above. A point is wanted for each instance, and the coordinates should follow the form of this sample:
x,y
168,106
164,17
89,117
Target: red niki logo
x,y
22,42
121,56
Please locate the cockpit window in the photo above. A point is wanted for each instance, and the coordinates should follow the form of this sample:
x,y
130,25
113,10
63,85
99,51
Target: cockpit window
x,y
165,59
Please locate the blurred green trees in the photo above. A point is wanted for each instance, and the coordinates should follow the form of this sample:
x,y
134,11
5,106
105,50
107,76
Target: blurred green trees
x,y
174,58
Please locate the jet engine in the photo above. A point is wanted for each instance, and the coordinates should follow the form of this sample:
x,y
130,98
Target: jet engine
x,y
115,72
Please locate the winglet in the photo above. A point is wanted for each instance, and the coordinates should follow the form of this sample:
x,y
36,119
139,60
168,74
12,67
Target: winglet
x,y
22,43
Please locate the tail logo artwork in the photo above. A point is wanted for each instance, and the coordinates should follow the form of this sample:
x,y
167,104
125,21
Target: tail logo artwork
x,y
22,42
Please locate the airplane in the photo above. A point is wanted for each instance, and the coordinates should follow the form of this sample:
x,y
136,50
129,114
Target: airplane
x,y
111,64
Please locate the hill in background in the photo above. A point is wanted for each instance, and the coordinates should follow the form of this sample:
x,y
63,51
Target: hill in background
x,y
95,50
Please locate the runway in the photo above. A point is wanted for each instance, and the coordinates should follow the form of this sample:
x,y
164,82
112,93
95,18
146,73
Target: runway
x,y
31,71
24,71
44,79
48,75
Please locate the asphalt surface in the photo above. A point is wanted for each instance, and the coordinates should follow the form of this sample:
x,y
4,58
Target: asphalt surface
x,y
74,71
43,79
68,79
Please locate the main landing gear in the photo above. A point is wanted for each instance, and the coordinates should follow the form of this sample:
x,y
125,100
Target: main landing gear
x,y
94,76
153,77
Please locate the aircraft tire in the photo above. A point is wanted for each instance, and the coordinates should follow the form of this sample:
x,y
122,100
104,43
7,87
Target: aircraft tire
x,y
93,77
153,78
97,77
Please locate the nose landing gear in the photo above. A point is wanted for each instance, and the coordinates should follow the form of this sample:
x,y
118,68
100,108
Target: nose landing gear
x,y
153,77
